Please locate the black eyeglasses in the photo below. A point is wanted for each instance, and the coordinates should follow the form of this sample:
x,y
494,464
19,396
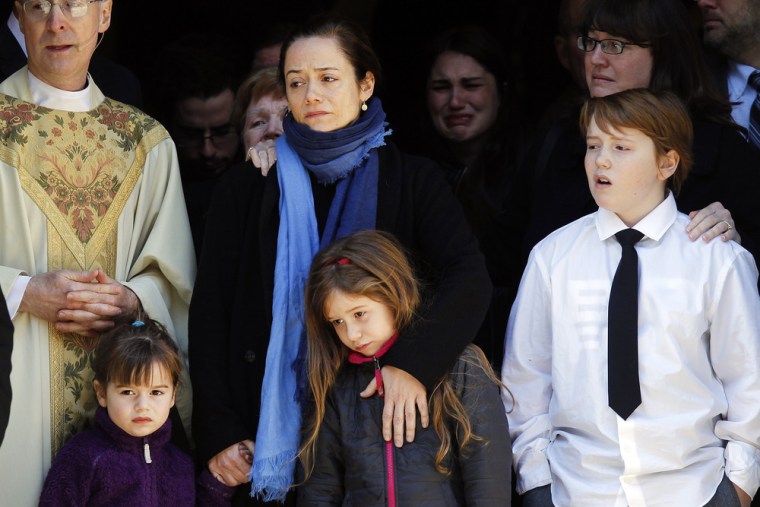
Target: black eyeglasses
x,y
609,46
193,138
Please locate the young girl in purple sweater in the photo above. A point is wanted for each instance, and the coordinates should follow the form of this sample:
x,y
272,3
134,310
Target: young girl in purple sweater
x,y
126,458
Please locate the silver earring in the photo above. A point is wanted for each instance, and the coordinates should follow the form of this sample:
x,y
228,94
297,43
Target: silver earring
x,y
364,106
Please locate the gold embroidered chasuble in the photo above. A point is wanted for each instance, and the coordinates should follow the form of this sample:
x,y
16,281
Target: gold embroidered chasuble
x,y
79,169
78,191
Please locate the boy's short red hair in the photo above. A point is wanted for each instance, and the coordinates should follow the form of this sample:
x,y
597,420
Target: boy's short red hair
x,y
661,116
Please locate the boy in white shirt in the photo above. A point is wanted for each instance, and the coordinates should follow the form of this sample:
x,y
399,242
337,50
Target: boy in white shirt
x,y
681,366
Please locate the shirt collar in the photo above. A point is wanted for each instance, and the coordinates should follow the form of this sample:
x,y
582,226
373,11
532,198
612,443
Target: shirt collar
x,y
738,79
653,225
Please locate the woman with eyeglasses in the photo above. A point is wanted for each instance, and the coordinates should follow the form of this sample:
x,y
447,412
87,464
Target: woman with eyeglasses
x,y
337,172
650,44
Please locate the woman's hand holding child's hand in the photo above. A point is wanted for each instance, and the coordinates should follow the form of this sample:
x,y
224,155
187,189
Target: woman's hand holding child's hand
x,y
404,394
231,466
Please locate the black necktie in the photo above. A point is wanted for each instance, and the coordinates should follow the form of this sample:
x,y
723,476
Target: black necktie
x,y
754,115
622,329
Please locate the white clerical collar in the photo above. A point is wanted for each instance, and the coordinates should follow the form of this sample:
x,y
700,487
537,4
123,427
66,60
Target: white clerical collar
x,y
15,29
48,96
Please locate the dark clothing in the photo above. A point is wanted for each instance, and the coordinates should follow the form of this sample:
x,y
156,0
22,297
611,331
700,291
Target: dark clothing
x,y
198,194
116,82
725,495
231,309
481,189
350,463
6,349
105,466
717,64
726,169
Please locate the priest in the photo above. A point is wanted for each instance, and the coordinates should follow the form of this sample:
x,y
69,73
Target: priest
x,y
93,228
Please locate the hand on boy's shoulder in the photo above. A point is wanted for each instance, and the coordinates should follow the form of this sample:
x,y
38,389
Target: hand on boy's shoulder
x,y
711,222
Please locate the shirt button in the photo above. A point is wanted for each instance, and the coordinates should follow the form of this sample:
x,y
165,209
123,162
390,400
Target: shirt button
x,y
250,356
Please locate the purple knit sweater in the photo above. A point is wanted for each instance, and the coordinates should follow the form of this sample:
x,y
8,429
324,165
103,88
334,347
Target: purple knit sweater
x,y
105,466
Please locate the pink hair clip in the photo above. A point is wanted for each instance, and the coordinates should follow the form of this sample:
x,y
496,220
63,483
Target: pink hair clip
x,y
338,260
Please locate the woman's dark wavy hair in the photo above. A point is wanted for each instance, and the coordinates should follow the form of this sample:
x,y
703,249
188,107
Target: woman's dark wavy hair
x,y
349,36
678,61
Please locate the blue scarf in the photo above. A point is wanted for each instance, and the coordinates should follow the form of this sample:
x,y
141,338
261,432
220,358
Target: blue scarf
x,y
349,157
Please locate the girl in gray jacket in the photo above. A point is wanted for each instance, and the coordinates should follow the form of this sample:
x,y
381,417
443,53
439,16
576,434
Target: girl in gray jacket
x,y
360,292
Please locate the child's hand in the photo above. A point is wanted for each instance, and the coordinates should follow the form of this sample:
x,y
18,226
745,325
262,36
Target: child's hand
x,y
404,394
231,466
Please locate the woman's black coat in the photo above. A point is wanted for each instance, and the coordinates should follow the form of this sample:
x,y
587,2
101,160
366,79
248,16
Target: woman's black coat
x,y
231,308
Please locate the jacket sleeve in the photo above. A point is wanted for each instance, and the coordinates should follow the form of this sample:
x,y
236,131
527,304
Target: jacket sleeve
x,y
209,492
458,286
69,481
325,485
486,465
217,420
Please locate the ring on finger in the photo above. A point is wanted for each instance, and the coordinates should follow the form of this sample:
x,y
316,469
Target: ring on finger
x,y
728,224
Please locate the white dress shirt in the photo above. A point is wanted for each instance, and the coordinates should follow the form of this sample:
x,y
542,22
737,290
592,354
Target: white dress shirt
x,y
699,367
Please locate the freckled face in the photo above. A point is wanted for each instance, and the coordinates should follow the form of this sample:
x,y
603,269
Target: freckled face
x,y
623,172
321,85
362,324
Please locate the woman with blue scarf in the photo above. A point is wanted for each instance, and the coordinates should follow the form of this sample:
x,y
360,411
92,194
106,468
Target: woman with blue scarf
x,y
336,173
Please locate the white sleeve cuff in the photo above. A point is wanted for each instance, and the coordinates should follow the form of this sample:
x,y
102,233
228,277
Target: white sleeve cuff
x,y
532,470
14,296
743,466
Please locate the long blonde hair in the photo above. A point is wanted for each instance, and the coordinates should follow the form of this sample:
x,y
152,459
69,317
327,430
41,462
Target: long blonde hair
x,y
370,264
